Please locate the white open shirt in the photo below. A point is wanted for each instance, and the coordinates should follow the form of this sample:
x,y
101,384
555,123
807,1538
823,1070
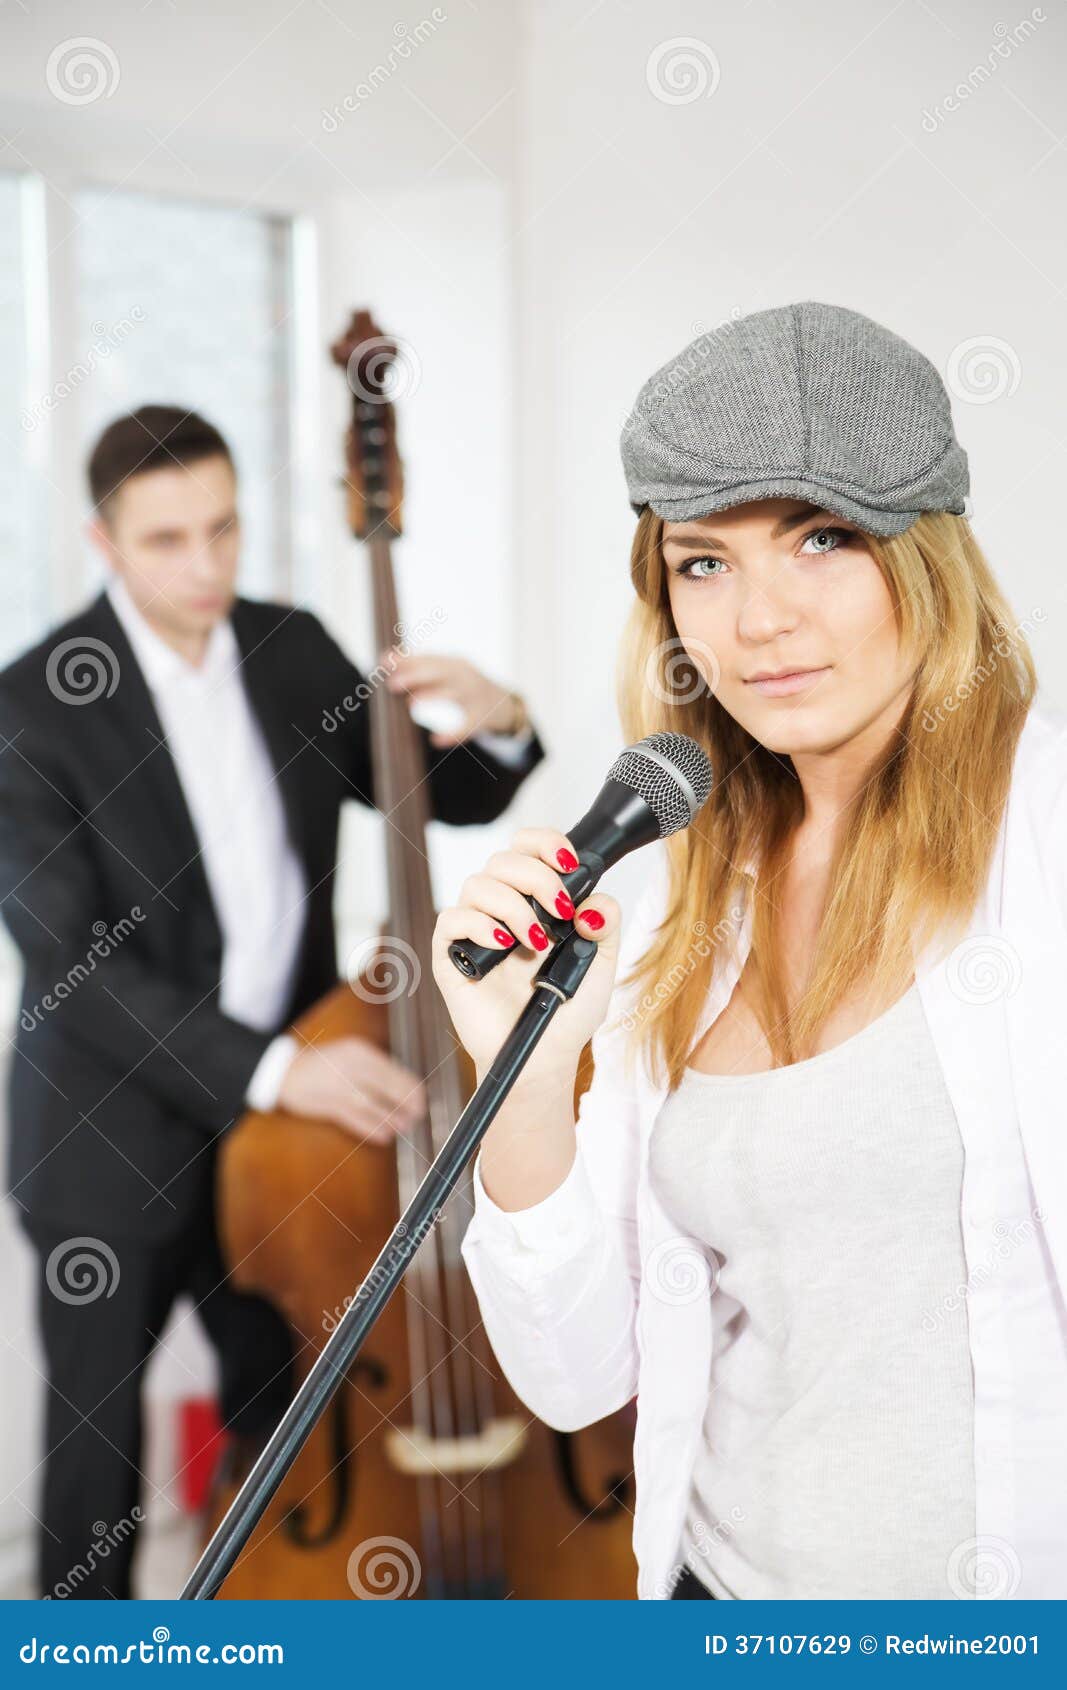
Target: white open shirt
x,y
257,882
591,1297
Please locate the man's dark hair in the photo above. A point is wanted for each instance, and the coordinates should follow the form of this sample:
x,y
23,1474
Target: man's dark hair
x,y
152,437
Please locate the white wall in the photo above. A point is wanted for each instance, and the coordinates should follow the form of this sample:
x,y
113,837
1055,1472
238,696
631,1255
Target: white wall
x,y
439,258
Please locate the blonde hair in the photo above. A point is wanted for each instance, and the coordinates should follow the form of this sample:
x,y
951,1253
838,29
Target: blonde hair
x,y
918,843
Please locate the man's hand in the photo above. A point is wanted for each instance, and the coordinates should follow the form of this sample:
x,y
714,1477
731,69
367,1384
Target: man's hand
x,y
487,707
354,1084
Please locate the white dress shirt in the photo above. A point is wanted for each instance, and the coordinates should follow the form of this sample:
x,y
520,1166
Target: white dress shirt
x,y
595,1295
257,882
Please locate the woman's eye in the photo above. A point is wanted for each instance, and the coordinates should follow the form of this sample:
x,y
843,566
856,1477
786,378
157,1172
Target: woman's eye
x,y
841,535
692,569
826,541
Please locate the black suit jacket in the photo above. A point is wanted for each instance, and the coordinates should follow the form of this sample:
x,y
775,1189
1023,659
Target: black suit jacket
x,y
125,1072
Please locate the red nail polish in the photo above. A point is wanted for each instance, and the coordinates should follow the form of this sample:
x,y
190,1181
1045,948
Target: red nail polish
x,y
564,906
593,919
502,937
538,937
566,859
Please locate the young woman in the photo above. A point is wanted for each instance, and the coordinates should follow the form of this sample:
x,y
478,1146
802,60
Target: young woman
x,y
812,1212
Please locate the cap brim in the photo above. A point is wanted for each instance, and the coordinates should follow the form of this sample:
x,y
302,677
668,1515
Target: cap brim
x,y
879,522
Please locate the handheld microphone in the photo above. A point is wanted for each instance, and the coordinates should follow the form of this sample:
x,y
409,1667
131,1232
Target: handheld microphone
x,y
653,789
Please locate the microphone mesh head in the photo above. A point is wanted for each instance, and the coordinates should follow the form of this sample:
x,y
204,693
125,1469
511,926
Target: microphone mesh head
x,y
671,773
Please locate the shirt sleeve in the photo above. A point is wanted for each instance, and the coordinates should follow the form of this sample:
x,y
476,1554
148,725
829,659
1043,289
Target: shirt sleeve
x,y
510,749
557,1283
530,1239
266,1081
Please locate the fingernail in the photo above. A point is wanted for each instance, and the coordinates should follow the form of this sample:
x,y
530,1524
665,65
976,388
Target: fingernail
x,y
593,919
564,905
566,859
502,937
538,937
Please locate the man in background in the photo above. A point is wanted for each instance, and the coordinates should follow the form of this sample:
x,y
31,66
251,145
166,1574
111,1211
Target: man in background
x,y
173,760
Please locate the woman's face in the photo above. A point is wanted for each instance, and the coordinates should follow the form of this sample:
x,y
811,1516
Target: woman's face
x,y
777,586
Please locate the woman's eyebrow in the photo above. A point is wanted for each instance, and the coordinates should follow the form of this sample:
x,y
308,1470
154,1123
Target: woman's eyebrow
x,y
777,531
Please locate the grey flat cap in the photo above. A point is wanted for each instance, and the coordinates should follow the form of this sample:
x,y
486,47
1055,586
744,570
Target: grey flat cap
x,y
808,401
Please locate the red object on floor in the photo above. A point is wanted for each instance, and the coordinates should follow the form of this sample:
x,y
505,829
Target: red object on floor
x,y
200,1440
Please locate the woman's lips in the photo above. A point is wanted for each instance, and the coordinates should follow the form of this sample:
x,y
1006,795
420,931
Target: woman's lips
x,y
780,685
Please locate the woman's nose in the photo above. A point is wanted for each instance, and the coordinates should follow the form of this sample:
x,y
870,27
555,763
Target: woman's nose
x,y
767,611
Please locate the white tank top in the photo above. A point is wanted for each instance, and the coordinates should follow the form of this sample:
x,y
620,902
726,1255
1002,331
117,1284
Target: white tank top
x,y
837,1457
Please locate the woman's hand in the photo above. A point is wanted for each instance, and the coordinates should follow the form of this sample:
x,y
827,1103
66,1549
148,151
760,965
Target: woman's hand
x,y
484,1011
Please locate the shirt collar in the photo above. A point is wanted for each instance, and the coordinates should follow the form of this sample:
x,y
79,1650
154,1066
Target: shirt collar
x,y
159,662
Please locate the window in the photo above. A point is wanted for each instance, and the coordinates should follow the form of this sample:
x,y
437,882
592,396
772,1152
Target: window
x,y
22,541
188,304
111,299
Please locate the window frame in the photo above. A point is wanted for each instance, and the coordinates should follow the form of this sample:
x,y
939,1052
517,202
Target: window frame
x,y
55,452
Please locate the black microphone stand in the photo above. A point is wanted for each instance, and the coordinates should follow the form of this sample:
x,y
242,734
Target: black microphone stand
x,y
555,983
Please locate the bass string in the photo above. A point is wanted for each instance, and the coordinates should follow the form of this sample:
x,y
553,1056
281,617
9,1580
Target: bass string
x,y
431,1407
470,1364
443,1388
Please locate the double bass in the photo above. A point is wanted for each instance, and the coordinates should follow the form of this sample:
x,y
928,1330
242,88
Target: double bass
x,y
426,1477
